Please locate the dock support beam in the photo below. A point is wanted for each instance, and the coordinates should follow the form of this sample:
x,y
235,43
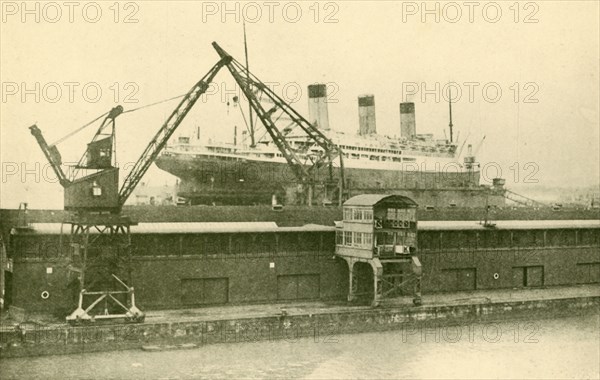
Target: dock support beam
x,y
354,279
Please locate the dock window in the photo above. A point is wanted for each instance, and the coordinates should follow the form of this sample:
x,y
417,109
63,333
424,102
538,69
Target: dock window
x,y
588,237
429,240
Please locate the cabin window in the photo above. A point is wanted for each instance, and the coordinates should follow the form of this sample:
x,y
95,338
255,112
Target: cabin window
x,y
96,189
392,214
347,238
347,214
339,237
385,238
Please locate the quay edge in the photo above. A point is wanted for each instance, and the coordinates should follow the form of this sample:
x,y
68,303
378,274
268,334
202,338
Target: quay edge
x,y
322,324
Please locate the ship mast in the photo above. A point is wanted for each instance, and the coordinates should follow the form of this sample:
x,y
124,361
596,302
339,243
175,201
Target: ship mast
x,y
450,109
252,142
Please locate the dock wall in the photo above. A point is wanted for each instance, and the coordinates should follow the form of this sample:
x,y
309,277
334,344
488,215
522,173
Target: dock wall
x,y
322,327
171,273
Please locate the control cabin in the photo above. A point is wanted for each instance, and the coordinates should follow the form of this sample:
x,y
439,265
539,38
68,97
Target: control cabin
x,y
378,226
379,231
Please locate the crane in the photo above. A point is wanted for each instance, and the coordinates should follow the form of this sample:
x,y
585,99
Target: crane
x,y
53,155
91,196
100,263
279,118
99,191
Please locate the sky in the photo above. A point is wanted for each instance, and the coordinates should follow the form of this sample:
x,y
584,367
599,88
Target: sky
x,y
527,74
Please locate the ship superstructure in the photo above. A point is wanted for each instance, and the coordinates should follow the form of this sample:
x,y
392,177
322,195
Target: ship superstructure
x,y
428,169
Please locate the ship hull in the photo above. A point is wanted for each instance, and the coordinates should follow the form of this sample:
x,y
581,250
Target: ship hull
x,y
208,180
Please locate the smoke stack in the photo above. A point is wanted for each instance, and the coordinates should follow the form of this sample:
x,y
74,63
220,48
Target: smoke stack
x,y
317,106
408,127
366,115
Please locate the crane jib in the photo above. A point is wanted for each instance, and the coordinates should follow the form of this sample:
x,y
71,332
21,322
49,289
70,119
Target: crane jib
x,y
166,131
275,115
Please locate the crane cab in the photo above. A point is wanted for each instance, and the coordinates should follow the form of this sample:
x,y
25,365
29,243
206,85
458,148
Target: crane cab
x,y
378,240
94,192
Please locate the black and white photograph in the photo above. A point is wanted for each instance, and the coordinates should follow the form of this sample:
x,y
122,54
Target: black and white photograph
x,y
314,189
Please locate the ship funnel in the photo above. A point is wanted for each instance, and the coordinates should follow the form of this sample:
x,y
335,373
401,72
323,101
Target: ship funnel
x,y
366,115
408,127
317,106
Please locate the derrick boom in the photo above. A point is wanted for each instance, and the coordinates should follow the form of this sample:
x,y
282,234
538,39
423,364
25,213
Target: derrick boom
x,y
52,155
279,119
166,131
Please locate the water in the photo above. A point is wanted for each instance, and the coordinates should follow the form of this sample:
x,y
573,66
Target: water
x,y
537,349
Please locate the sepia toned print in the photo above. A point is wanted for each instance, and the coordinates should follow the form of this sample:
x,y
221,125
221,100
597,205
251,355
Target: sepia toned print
x,y
299,189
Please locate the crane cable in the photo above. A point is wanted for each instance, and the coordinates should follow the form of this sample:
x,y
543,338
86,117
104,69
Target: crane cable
x,y
78,129
106,113
153,104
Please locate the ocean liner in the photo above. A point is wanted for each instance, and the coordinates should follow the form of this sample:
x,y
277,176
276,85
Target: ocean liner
x,y
433,172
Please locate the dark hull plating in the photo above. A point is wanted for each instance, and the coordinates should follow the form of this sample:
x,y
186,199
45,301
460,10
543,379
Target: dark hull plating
x,y
207,180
